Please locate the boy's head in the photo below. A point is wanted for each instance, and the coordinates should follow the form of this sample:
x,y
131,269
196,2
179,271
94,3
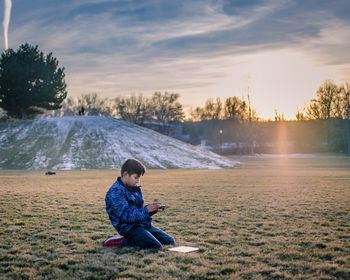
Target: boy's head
x,y
131,172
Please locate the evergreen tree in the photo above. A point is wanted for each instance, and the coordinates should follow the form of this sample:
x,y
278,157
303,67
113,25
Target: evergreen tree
x,y
30,82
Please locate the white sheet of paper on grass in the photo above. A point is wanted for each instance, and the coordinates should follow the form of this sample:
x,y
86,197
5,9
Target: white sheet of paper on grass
x,y
184,249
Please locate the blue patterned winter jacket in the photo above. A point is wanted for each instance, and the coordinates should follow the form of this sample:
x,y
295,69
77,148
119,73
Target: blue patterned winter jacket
x,y
125,209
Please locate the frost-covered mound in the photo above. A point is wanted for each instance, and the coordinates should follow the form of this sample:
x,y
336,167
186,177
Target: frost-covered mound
x,y
95,142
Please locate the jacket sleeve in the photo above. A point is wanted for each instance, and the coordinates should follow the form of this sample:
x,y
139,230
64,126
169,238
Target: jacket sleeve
x,y
126,212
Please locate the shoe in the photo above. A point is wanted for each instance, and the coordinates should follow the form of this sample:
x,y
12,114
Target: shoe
x,y
115,241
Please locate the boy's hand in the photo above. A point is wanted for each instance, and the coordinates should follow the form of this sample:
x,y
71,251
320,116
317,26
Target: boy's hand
x,y
153,207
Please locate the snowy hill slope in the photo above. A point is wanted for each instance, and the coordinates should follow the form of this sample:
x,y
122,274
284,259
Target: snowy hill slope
x,y
95,142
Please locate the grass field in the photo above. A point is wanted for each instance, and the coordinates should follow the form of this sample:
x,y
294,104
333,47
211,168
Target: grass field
x,y
269,219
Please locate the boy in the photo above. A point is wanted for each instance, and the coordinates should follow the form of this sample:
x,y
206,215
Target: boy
x,y
132,220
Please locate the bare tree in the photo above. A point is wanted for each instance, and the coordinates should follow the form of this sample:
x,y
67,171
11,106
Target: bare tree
x,y
212,109
279,116
68,108
93,105
332,103
327,104
236,108
166,107
196,114
252,112
134,109
232,108
86,104
345,100
300,114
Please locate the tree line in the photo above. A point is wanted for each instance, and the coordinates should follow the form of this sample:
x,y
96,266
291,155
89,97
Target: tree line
x,y
231,108
323,125
332,101
162,108
32,84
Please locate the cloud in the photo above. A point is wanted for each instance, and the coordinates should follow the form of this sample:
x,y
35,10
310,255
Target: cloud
x,y
191,47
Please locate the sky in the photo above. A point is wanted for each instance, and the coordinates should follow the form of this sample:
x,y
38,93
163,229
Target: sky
x,y
278,51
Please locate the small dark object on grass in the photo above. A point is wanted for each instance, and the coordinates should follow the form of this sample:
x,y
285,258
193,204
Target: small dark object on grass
x,y
50,173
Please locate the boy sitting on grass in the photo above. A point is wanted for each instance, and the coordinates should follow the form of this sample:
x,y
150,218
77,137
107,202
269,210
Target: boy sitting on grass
x,y
132,220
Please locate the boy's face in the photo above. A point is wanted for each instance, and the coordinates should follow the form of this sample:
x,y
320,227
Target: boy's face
x,y
130,180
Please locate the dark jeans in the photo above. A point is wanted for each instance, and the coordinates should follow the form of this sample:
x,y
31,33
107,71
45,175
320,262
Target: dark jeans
x,y
147,238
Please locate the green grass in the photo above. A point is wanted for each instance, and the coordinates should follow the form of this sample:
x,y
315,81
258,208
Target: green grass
x,y
270,219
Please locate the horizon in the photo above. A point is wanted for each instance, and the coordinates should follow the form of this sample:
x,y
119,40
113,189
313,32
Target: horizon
x,y
277,51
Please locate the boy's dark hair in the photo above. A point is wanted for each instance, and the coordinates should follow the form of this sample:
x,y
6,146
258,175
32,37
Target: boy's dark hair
x,y
133,166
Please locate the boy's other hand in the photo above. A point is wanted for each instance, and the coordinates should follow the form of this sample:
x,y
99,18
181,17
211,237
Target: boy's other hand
x,y
153,207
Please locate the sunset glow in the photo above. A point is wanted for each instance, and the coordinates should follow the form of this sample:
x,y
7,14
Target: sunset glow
x,y
283,80
277,51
